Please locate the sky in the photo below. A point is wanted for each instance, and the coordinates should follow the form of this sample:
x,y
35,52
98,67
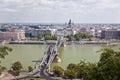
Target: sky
x,y
60,11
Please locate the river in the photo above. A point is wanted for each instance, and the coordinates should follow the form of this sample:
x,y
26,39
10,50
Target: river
x,y
70,54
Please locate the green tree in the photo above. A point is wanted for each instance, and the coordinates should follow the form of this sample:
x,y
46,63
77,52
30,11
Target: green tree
x,y
70,37
109,64
77,37
85,35
41,35
16,67
72,66
54,38
72,71
82,35
69,73
4,50
2,69
15,73
58,71
107,68
48,37
83,70
30,68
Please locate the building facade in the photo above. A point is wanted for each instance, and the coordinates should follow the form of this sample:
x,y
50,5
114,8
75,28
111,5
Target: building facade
x,y
69,29
13,35
36,32
110,34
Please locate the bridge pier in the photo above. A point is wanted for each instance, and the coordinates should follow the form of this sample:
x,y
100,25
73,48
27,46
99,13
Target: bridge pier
x,y
63,44
57,59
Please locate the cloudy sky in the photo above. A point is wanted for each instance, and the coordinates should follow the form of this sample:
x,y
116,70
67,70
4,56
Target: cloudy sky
x,y
59,11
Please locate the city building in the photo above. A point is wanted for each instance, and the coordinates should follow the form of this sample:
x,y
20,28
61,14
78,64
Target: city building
x,y
92,32
83,29
60,32
98,33
13,35
36,32
110,34
69,29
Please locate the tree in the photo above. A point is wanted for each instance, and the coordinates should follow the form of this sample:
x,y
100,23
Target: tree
x,y
72,66
41,35
83,70
2,69
82,35
57,70
15,72
30,68
70,37
48,37
4,50
107,68
54,37
77,37
109,64
90,39
72,71
16,67
69,73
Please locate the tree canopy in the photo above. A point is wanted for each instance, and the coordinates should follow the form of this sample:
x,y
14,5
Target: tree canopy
x,y
16,67
46,36
107,68
4,50
78,36
58,71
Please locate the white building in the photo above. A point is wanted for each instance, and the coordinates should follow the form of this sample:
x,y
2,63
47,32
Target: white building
x,y
92,32
70,31
98,33
65,32
60,32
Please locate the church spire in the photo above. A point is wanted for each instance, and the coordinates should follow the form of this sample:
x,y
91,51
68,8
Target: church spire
x,y
69,23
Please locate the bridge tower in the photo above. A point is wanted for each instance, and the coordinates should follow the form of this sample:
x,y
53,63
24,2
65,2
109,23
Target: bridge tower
x,y
64,43
64,40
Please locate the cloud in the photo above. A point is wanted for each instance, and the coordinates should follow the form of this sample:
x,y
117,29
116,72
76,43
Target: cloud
x,y
48,10
7,10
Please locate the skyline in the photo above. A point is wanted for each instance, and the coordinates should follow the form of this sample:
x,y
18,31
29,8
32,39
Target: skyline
x,y
59,11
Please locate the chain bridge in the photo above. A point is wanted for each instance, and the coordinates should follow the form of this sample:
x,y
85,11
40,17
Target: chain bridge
x,y
42,68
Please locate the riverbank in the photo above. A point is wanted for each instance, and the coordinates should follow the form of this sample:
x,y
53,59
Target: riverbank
x,y
67,42
30,42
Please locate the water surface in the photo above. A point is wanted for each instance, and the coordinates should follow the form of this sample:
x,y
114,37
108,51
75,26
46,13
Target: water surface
x,y
69,54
